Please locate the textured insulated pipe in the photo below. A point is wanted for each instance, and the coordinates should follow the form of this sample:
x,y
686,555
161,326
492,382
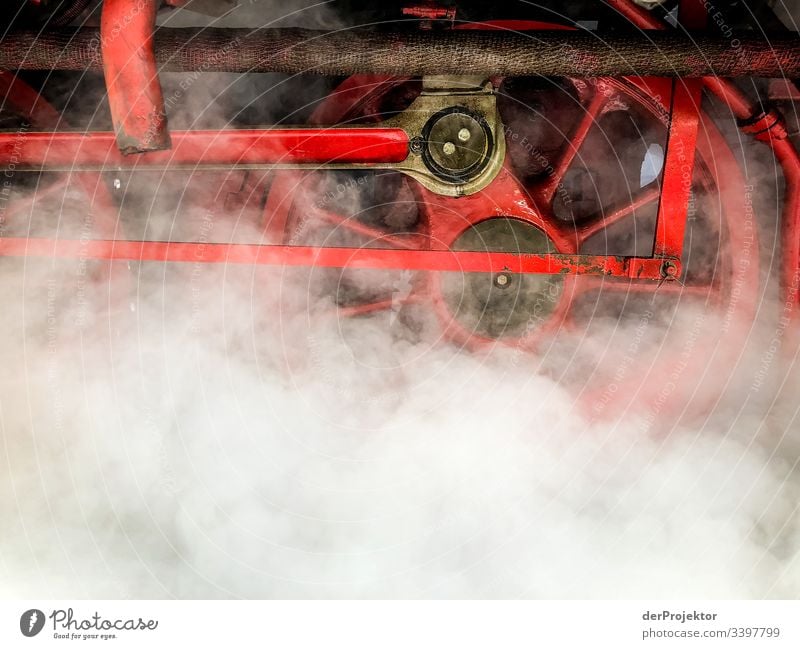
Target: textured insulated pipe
x,y
553,53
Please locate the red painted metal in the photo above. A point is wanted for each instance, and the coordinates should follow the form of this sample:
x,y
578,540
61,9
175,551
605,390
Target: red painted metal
x,y
96,150
635,14
786,154
445,217
676,185
783,90
18,97
328,257
546,191
347,145
129,65
430,11
693,14
616,214
733,293
506,196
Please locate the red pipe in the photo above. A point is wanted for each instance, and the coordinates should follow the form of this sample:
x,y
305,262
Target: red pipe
x,y
679,161
95,150
129,66
742,107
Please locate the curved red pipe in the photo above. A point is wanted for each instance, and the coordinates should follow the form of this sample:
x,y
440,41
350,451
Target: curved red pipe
x,y
131,74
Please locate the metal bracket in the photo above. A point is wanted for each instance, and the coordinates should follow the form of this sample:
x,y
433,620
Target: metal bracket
x,y
468,96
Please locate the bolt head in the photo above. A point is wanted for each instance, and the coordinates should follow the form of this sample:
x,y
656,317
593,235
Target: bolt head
x,y
669,269
448,148
502,280
464,134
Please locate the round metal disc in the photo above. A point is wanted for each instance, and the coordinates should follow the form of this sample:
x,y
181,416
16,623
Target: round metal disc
x,y
502,304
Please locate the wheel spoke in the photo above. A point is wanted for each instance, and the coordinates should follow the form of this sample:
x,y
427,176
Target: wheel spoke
x,y
408,242
378,305
25,205
604,220
570,150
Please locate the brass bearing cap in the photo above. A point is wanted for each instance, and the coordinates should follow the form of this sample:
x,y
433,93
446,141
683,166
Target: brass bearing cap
x,y
458,144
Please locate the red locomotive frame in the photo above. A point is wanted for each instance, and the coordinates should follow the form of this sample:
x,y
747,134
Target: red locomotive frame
x,y
137,111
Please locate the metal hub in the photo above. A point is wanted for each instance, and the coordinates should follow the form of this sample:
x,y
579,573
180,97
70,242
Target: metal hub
x,y
458,144
503,304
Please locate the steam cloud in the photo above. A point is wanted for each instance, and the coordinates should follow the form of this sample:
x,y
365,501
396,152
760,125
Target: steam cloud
x,y
202,431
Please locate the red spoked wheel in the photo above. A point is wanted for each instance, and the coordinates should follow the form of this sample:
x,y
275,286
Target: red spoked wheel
x,y
69,204
582,175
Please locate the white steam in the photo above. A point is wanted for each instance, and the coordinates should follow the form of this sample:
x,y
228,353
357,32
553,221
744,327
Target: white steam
x,y
221,441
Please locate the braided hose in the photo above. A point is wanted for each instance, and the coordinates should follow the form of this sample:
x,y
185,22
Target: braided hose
x,y
66,16
509,53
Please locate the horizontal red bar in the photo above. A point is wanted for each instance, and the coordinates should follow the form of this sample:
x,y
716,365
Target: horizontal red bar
x,y
376,258
97,149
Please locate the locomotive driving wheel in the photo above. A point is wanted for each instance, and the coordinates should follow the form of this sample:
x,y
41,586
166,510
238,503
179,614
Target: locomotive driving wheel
x,y
582,174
